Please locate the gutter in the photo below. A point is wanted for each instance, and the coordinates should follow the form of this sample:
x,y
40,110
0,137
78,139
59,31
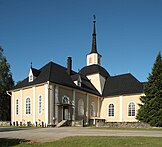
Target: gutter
x,y
8,93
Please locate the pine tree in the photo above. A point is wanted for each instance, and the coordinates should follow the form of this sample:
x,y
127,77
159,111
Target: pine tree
x,y
151,108
6,83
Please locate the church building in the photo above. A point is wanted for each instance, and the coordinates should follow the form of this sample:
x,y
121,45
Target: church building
x,y
55,94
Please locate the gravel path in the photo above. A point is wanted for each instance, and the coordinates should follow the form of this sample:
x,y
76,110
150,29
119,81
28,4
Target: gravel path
x,y
51,134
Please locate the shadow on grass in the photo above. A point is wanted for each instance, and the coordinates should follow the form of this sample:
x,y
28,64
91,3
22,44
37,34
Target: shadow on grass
x,y
6,142
14,129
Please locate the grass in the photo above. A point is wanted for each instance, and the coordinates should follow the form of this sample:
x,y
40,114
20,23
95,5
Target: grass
x,y
92,141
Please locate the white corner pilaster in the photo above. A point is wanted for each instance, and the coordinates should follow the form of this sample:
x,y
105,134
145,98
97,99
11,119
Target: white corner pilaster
x,y
98,111
121,108
12,108
46,102
21,98
51,102
73,117
87,114
56,102
34,99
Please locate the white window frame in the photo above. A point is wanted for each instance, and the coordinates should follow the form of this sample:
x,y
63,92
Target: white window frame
x,y
17,107
112,112
131,109
28,110
31,77
40,104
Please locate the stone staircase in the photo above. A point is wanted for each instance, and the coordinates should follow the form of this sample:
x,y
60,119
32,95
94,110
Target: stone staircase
x,y
61,123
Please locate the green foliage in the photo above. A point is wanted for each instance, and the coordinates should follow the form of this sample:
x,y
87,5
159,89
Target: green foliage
x,y
6,83
151,108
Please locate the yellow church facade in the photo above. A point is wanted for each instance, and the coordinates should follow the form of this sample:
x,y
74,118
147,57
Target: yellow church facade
x,y
54,94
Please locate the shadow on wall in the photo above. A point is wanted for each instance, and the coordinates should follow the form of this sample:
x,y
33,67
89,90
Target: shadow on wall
x,y
6,142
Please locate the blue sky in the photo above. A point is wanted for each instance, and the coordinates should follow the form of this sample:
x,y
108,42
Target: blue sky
x,y
129,34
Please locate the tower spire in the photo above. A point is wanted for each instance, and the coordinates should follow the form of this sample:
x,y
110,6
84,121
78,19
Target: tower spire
x,y
94,57
94,46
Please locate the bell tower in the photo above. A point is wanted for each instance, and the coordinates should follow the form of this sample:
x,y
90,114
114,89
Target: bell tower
x,y
94,57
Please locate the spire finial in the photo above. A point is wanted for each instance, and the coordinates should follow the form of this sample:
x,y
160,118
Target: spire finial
x,y
94,46
31,65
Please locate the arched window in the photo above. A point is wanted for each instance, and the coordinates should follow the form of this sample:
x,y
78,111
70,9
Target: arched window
x,y
111,110
17,107
92,109
28,106
131,109
80,107
40,104
65,100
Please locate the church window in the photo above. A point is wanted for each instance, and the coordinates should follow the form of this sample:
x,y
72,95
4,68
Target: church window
x,y
65,100
40,104
28,106
92,109
17,107
80,107
131,109
111,110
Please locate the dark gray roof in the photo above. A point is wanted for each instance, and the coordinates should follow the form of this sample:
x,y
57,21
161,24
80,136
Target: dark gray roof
x,y
35,72
121,85
56,74
95,68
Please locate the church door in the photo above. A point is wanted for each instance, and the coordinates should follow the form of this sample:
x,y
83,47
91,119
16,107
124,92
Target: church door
x,y
65,113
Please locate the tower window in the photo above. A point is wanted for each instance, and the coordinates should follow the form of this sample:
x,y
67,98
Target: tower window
x,y
90,60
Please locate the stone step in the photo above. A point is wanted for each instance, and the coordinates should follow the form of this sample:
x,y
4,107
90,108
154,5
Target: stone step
x,y
61,123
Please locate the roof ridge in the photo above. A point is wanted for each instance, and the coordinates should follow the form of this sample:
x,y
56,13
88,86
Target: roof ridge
x,y
50,72
121,75
51,63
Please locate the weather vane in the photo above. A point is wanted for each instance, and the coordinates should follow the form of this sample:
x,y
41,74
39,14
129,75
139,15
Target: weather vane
x,y
94,17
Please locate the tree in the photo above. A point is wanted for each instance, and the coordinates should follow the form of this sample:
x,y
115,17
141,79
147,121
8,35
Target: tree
x,y
6,83
151,108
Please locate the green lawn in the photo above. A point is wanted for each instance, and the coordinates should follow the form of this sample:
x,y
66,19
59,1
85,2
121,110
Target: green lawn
x,y
87,141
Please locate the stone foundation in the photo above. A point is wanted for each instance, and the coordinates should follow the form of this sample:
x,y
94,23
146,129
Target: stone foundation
x,y
122,124
78,123
5,123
